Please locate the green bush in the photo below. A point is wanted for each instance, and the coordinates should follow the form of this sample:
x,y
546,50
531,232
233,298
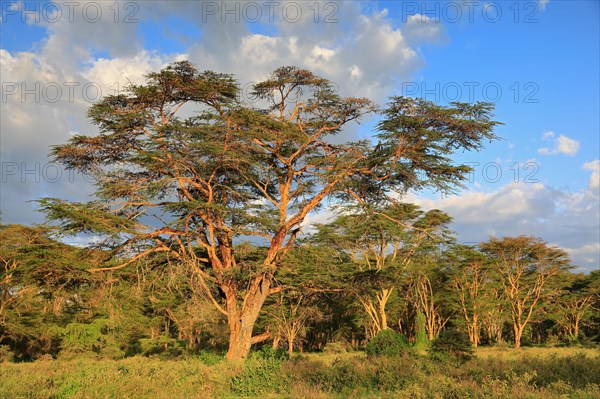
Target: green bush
x,y
6,354
162,346
334,348
261,375
268,353
387,343
210,358
421,339
452,343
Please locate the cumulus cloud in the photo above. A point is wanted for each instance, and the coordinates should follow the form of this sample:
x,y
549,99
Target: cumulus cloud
x,y
594,166
50,87
561,145
566,219
423,29
44,104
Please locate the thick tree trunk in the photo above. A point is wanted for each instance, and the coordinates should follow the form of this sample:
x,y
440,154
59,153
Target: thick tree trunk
x,y
241,321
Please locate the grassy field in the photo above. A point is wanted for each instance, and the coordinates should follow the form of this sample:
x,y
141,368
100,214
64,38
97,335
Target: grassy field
x,y
493,373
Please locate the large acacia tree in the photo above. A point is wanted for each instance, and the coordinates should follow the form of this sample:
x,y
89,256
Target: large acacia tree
x,y
193,186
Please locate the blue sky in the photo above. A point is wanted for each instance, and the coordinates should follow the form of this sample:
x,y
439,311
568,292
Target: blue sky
x,y
538,61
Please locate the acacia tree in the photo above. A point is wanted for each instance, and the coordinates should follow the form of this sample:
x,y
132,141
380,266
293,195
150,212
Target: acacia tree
x,y
427,277
192,186
494,317
573,304
372,239
470,282
381,242
524,265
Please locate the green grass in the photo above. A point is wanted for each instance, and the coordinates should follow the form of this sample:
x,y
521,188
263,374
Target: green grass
x,y
493,373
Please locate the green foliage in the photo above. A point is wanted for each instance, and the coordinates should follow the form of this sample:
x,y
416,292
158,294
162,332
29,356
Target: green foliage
x,y
78,336
261,374
453,343
334,347
272,167
387,343
210,358
163,346
266,352
421,340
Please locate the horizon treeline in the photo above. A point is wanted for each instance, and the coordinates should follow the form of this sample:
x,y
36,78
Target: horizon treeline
x,y
399,268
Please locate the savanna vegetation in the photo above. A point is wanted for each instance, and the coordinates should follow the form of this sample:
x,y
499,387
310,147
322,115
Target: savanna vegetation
x,y
199,254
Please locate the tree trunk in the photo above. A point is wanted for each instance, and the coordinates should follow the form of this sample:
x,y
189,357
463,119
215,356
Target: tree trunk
x,y
290,340
475,327
518,333
241,321
383,299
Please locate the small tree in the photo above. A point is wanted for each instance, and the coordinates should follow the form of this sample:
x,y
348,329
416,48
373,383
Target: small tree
x,y
524,266
454,343
470,281
387,343
573,304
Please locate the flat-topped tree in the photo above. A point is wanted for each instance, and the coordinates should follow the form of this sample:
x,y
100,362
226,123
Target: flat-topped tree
x,y
381,242
524,266
192,186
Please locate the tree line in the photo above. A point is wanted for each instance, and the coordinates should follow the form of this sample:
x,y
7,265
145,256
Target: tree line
x,y
200,204
336,287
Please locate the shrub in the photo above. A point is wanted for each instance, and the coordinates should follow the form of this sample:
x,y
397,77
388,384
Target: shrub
x,y
162,346
334,348
268,353
453,343
6,354
387,343
210,358
421,340
262,374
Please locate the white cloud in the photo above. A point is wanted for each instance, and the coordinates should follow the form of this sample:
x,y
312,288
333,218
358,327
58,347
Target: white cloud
x,y
542,4
423,29
45,105
364,53
548,135
569,220
594,166
561,145
566,219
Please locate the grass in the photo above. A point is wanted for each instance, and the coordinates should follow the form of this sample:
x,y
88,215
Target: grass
x,y
493,373
523,352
